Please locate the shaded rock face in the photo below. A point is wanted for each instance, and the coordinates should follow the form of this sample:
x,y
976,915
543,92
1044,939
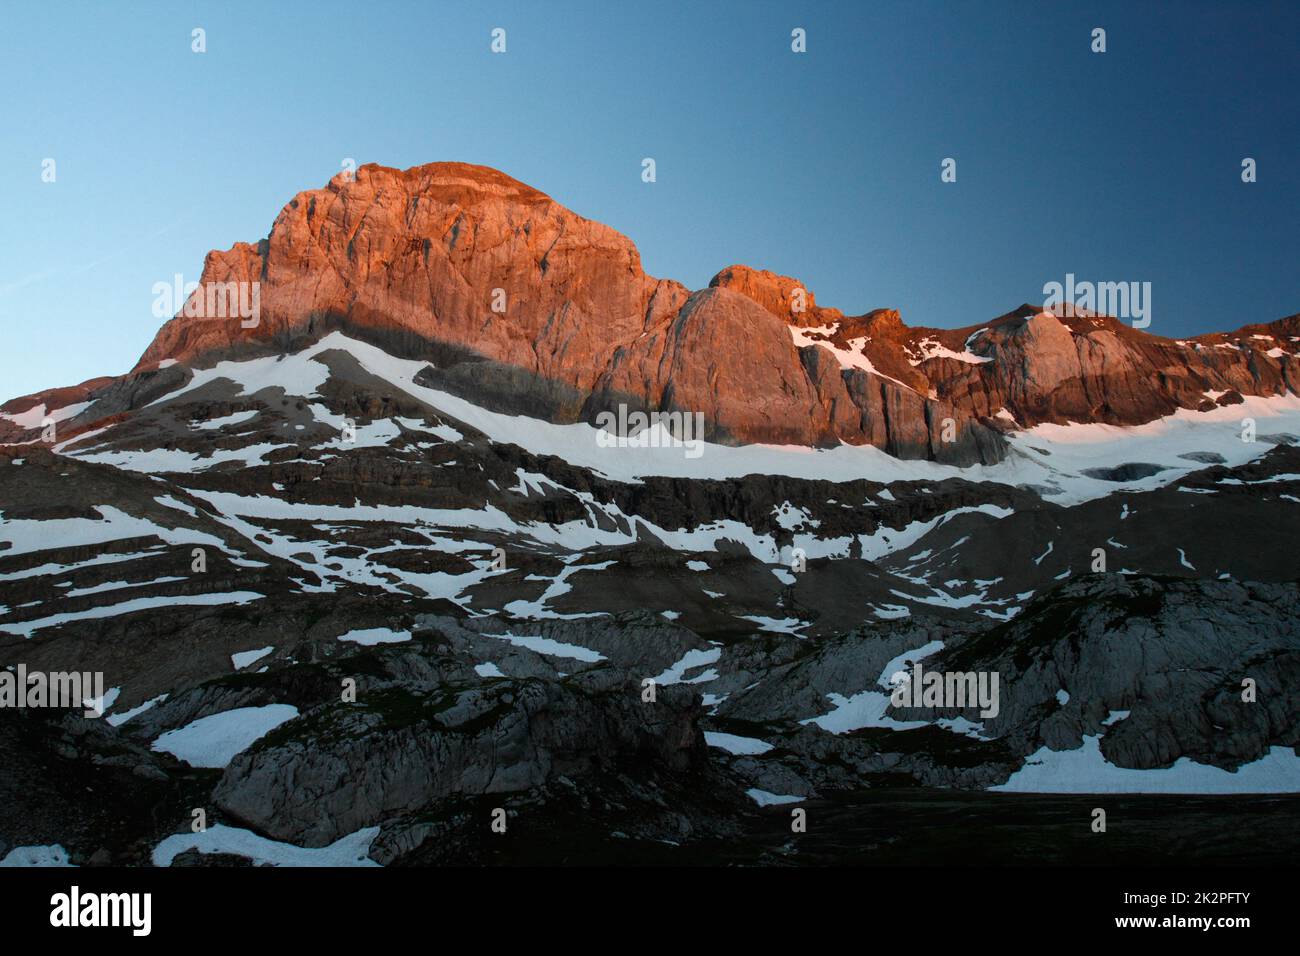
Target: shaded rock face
x,y
1170,657
1154,667
524,306
406,748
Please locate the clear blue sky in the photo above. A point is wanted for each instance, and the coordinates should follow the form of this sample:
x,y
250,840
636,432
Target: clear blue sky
x,y
825,166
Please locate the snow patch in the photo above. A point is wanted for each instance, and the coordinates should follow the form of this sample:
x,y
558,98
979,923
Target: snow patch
x,y
369,637
214,741
1086,770
351,850
242,659
733,744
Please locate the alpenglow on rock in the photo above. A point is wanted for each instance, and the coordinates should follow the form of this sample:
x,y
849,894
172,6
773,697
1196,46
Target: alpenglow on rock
x,y
524,306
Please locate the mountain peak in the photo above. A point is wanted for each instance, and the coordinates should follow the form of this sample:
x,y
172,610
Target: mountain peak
x,y
523,306
444,178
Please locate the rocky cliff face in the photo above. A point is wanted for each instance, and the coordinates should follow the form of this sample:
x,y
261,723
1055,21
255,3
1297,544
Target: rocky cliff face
x,y
524,306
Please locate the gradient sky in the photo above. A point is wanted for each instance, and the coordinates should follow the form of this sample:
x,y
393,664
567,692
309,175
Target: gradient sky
x,y
825,166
